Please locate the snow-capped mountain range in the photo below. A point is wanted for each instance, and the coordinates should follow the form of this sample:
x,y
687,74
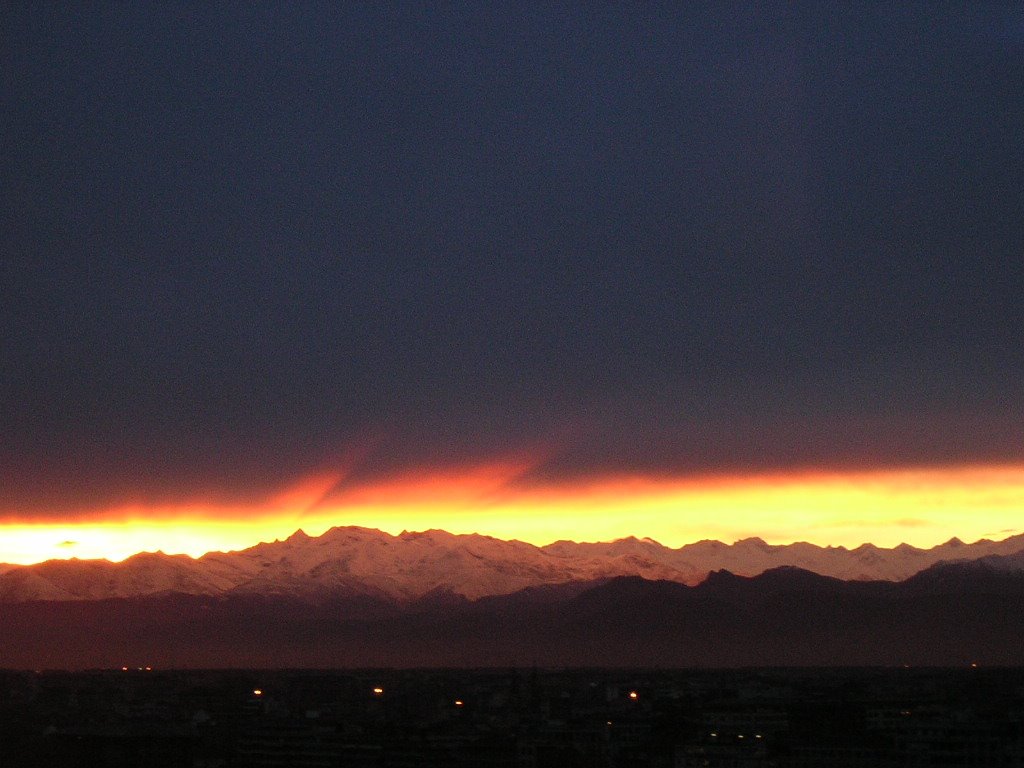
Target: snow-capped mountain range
x,y
359,561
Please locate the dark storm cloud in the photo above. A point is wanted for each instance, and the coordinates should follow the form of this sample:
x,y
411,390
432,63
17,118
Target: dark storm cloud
x,y
237,241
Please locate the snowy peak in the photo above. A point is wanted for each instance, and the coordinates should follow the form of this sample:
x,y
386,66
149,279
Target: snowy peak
x,y
352,560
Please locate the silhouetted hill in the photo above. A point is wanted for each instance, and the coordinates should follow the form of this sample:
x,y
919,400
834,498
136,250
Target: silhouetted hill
x,y
952,614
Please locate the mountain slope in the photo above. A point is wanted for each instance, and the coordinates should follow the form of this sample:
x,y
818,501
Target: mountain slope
x,y
784,617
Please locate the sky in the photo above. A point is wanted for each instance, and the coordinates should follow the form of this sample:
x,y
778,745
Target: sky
x,y
543,271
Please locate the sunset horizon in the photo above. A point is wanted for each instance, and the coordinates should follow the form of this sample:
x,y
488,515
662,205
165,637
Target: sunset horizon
x,y
918,506
602,305
511,385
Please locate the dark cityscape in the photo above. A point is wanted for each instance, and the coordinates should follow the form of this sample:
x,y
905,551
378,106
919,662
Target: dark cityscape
x,y
513,718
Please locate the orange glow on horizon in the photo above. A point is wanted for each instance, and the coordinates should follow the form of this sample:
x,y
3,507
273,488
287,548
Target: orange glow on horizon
x,y
922,507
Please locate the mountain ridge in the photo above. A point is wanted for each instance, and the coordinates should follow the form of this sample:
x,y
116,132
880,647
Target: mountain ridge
x,y
406,567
